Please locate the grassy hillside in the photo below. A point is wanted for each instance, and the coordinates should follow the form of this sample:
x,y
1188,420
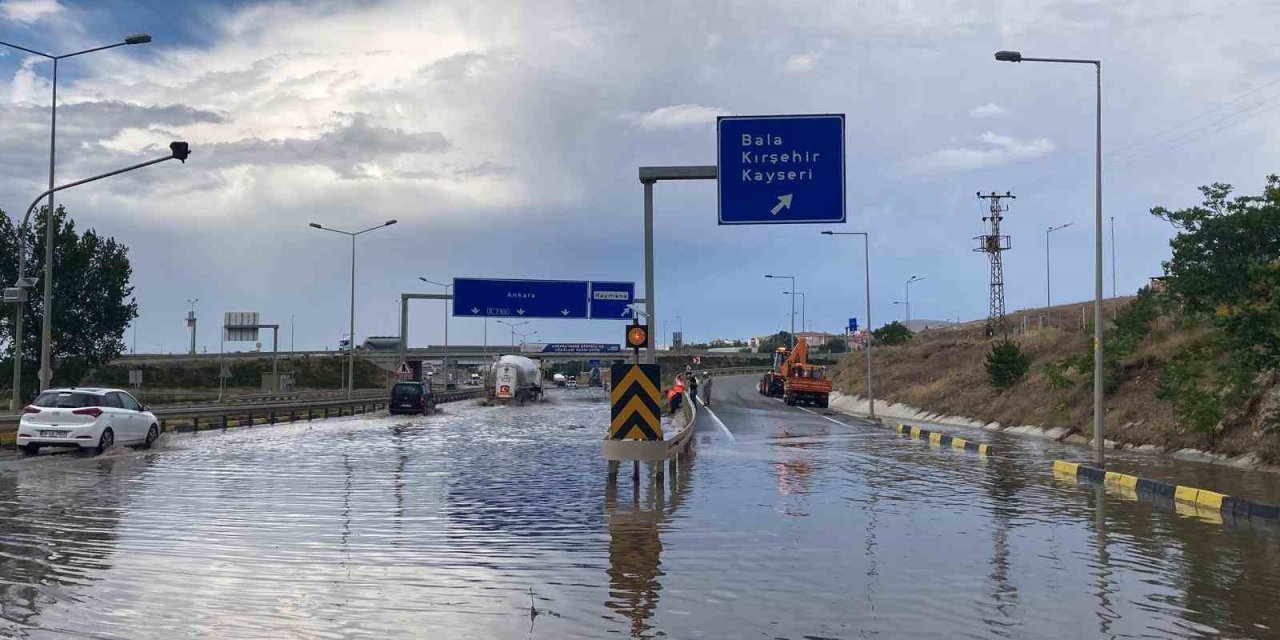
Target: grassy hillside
x,y
943,371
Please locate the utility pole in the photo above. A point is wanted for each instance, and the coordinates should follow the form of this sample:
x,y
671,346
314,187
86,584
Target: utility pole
x,y
993,244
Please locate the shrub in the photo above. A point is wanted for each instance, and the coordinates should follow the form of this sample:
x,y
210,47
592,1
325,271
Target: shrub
x,y
1006,364
893,333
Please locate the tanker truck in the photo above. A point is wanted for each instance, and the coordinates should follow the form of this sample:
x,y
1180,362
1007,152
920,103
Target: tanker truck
x,y
514,378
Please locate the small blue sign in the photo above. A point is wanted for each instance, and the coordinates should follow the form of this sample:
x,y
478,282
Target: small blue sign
x,y
593,363
612,300
853,325
485,298
581,347
780,169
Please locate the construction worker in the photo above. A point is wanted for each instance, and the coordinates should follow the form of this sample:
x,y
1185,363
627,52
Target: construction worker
x,y
706,395
676,395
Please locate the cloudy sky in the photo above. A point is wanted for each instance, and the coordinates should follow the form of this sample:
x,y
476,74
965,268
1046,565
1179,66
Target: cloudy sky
x,y
505,137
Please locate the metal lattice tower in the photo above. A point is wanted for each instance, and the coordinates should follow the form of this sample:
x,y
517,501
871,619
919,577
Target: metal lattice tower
x,y
993,244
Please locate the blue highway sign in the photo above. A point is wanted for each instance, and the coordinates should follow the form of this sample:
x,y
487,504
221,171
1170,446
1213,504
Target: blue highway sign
x,y
612,300
853,325
780,169
581,347
481,298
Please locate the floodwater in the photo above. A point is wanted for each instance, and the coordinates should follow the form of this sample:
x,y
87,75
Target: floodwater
x,y
499,522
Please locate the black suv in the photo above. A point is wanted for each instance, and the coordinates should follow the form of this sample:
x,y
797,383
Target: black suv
x,y
411,397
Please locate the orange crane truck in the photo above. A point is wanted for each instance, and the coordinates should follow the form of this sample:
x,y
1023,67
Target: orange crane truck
x,y
795,380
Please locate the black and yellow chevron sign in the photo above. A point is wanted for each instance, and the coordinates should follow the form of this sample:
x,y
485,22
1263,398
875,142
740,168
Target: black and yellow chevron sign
x,y
637,402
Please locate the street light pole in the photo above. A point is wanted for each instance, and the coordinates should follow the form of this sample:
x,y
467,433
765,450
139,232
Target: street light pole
x,y
1099,428
866,253
447,377
1048,298
191,321
803,305
513,326
351,320
909,281
793,307
177,151
46,330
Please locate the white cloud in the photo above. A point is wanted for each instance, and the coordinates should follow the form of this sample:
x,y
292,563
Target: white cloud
x,y
483,124
994,150
802,62
28,11
988,110
678,116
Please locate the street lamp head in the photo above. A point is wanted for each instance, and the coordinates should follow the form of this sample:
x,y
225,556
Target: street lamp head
x,y
180,150
137,38
828,233
1009,56
389,223
316,225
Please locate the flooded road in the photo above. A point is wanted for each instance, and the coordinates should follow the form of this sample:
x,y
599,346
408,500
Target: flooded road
x,y
498,522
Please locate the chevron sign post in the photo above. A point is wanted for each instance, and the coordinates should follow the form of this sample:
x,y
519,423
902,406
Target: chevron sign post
x,y
636,401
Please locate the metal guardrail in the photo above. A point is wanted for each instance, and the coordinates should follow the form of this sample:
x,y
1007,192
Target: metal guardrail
x,y
222,417
264,398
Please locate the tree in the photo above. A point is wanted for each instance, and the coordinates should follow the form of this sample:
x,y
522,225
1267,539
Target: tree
x,y
92,299
1219,242
890,334
834,345
1006,364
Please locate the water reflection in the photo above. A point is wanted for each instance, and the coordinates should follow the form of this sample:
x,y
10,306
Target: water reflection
x,y
1006,479
58,533
635,543
1206,575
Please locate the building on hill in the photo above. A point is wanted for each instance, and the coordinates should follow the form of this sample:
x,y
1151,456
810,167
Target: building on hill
x,y
816,338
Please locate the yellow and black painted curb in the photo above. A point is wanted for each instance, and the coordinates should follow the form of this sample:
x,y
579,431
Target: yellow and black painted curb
x,y
944,440
1179,494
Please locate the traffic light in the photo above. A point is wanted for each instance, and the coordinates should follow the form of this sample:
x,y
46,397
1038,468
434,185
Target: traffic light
x,y
180,150
637,336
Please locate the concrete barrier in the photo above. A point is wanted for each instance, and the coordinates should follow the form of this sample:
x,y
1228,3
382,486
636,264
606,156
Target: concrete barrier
x,y
945,440
1178,494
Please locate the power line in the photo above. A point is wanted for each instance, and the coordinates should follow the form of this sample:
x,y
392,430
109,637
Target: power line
x,y
1200,133
1179,124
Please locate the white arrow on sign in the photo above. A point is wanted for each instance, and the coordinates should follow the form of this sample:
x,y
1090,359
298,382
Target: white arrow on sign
x,y
520,311
564,312
626,311
784,202
475,310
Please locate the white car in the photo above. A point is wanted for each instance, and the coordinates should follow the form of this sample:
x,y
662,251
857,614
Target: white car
x,y
88,418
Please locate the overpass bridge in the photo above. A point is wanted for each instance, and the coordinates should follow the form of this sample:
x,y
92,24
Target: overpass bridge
x,y
459,355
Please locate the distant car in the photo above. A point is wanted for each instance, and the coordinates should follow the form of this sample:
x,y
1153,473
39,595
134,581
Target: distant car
x,y
571,383
411,397
88,418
